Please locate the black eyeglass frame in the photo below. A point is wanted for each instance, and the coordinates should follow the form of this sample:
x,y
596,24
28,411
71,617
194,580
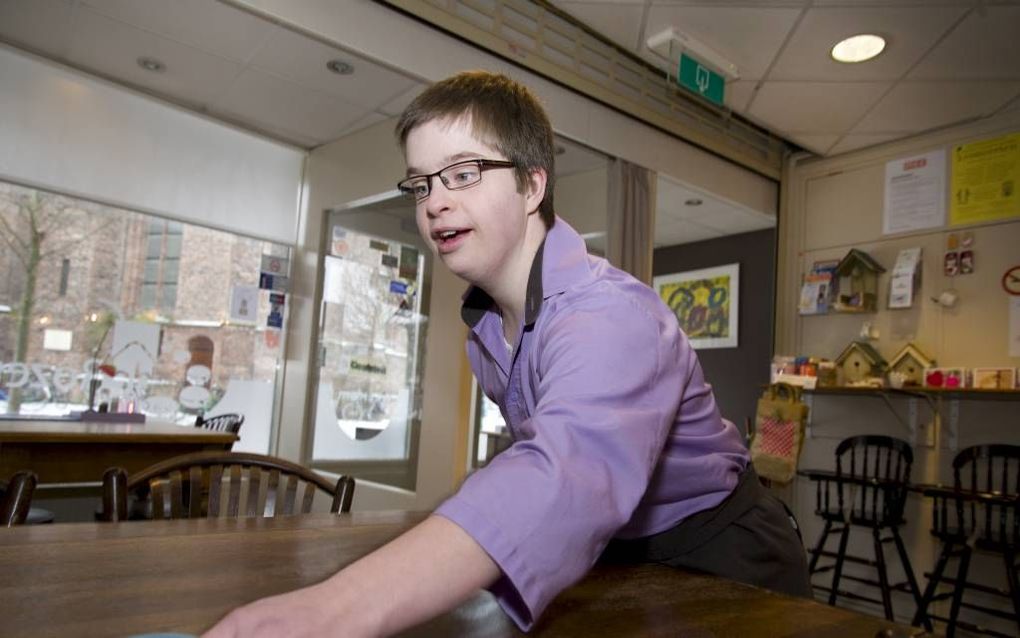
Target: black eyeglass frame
x,y
482,164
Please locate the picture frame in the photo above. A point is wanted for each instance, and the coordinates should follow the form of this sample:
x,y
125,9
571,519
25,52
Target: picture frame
x,y
706,303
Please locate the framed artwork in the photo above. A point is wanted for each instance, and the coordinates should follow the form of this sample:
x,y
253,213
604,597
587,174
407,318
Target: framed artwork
x,y
706,302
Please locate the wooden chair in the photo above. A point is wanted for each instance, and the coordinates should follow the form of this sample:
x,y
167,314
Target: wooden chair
x,y
867,490
16,498
221,423
981,512
192,486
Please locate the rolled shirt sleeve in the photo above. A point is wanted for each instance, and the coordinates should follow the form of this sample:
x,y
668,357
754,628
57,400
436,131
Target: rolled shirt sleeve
x,y
590,408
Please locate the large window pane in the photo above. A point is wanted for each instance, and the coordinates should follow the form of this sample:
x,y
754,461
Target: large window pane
x,y
167,316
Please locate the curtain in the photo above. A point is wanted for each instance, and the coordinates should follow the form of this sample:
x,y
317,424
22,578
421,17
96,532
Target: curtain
x,y
630,228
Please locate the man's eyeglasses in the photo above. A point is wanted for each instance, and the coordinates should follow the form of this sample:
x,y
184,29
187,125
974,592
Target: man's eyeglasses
x,y
454,177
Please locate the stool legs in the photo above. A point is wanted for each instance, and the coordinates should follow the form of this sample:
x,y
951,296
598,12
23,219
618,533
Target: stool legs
x,y
961,579
837,572
915,589
883,576
1014,586
817,553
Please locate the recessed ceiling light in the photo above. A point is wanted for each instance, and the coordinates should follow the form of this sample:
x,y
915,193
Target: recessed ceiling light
x,y
694,201
340,67
858,48
151,64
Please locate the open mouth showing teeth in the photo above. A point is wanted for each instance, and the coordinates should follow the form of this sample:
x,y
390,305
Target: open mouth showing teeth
x,y
448,234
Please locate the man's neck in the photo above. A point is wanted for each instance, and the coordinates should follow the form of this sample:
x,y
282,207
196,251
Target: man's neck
x,y
511,291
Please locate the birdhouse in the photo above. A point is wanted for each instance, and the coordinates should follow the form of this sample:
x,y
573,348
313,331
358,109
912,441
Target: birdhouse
x,y
858,362
910,363
857,274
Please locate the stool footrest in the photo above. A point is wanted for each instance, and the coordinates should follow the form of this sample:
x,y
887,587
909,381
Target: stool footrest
x,y
971,627
849,594
848,558
968,585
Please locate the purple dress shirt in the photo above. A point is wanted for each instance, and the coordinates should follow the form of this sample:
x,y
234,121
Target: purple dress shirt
x,y
616,433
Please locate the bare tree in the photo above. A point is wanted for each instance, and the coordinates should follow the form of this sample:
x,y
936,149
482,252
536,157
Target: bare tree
x,y
33,227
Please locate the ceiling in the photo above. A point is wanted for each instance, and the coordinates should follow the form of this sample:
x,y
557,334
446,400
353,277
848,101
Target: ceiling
x,y
257,75
945,61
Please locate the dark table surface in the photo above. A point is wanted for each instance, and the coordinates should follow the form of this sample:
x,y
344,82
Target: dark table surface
x,y
118,579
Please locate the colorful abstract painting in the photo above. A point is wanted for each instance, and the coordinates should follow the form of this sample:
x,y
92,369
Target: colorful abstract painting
x,y
705,303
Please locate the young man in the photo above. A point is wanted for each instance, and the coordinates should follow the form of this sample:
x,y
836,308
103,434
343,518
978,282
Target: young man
x,y
619,449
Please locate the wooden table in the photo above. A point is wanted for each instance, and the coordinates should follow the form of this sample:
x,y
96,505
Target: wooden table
x,y
77,452
118,579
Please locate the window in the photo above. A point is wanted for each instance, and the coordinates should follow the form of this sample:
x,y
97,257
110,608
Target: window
x,y
171,311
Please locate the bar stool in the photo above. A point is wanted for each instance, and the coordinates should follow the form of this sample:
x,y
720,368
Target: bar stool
x,y
981,512
867,490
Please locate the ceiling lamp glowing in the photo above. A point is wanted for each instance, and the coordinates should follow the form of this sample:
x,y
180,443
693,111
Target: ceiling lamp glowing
x,y
858,48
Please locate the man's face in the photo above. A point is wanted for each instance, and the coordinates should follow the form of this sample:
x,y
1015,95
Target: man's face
x,y
488,219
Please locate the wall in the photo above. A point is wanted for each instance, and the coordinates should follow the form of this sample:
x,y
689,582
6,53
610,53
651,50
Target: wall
x,y
581,200
736,374
831,205
71,133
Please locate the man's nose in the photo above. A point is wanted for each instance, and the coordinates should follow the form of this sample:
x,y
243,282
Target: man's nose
x,y
439,199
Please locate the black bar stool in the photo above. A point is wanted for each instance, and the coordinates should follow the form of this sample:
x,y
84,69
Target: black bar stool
x,y
867,490
981,512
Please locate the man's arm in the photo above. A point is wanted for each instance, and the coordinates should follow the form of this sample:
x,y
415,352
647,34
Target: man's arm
x,y
428,570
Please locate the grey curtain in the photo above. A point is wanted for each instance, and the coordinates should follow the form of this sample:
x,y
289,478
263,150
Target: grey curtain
x,y
630,228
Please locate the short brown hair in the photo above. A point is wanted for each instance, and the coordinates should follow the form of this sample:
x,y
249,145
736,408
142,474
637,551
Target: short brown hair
x,y
503,112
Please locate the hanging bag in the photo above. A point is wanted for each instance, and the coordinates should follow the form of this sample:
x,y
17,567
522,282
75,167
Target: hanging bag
x,y
779,431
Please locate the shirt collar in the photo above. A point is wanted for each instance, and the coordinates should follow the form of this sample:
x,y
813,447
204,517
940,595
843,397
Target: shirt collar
x,y
561,262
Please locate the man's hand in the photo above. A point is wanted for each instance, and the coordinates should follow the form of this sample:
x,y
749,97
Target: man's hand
x,y
427,571
311,611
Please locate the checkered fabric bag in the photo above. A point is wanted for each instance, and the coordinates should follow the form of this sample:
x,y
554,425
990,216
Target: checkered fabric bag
x,y
779,431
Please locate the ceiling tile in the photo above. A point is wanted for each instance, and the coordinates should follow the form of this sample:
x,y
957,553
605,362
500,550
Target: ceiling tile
x,y
577,158
747,37
919,106
112,48
909,32
856,141
683,232
815,143
620,22
737,94
303,60
814,107
733,221
366,121
211,26
397,105
985,45
42,25
284,106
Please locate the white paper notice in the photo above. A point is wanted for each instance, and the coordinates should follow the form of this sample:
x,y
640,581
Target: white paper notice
x,y
1014,326
901,284
244,304
915,193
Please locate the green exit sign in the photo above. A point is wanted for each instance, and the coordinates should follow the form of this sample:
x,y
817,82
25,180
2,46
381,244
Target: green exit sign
x,y
695,76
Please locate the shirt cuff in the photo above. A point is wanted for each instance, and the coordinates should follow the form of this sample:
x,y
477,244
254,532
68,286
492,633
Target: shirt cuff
x,y
516,578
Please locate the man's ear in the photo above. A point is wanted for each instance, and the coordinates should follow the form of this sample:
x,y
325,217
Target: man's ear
x,y
534,191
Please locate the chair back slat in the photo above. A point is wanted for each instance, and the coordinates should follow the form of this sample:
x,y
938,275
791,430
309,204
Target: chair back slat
x,y
234,499
215,491
306,500
176,495
290,495
254,488
274,487
878,471
195,490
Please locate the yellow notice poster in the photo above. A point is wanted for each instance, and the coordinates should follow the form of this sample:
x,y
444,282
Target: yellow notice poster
x,y
985,177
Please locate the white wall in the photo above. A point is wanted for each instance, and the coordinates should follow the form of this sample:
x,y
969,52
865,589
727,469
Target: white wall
x,y
71,133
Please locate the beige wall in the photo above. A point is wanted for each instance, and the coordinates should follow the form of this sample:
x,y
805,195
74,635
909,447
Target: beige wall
x,y
834,204
581,200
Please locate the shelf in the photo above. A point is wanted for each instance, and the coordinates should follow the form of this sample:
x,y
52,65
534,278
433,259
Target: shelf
x,y
964,394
